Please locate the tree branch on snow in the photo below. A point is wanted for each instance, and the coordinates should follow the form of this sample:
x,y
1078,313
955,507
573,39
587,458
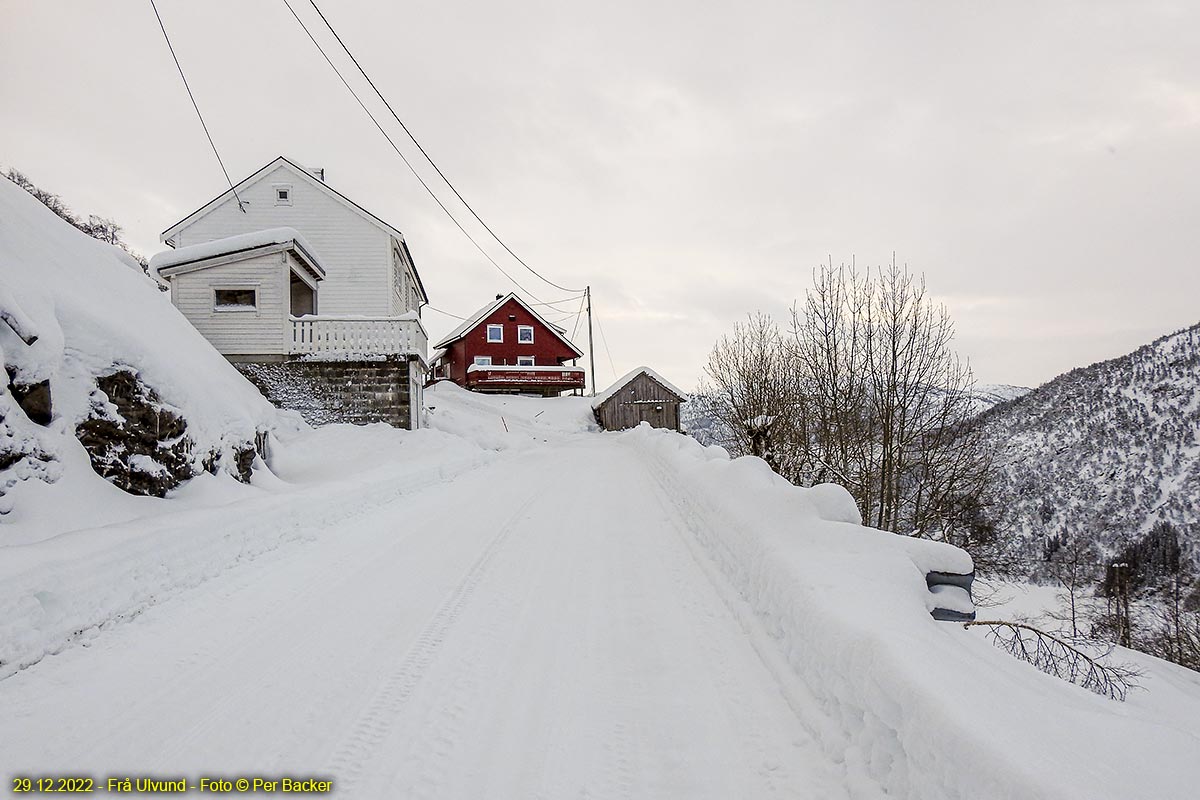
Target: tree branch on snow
x,y
1059,658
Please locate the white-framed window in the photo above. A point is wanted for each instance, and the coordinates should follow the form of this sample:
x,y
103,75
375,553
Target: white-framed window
x,y
283,194
495,333
525,361
524,334
235,298
483,361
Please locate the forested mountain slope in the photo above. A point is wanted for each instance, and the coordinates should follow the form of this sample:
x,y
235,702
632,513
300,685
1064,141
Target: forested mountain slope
x,y
1106,451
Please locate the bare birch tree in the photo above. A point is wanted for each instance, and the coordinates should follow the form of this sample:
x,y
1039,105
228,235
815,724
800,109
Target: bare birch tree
x,y
890,400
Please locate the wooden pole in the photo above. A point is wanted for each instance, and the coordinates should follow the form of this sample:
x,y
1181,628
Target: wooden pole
x,y
591,342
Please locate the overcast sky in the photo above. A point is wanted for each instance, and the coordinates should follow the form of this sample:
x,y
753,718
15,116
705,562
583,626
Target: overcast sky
x,y
693,161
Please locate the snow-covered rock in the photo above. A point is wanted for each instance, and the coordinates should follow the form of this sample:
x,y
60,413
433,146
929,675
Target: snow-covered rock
x,y
75,315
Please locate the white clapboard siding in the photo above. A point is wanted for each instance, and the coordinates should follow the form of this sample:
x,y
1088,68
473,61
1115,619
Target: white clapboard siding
x,y
356,252
264,331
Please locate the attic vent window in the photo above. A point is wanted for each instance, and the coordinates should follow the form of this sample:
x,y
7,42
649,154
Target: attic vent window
x,y
235,299
283,195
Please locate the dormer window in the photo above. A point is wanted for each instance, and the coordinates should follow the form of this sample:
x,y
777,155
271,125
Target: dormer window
x,y
283,194
495,333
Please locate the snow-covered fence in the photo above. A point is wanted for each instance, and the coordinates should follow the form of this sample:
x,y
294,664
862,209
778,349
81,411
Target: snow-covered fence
x,y
354,335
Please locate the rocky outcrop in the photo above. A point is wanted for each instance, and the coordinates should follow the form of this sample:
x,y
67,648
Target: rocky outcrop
x,y
133,439
140,444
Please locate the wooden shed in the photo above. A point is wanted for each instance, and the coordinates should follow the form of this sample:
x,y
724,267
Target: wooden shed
x,y
641,396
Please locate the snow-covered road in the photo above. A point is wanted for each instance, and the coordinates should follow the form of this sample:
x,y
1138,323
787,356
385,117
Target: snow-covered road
x,y
514,605
518,632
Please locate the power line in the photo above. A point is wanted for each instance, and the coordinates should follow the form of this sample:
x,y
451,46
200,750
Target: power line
x,y
417,175
447,313
578,316
196,106
604,339
433,164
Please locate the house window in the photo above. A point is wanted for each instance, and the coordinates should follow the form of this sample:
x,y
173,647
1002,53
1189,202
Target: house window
x,y
283,194
524,361
483,361
235,299
495,333
525,334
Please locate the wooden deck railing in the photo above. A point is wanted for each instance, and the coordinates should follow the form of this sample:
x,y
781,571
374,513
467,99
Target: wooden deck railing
x,y
341,336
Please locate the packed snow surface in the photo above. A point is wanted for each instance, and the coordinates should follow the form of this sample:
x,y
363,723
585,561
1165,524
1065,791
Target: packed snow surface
x,y
511,603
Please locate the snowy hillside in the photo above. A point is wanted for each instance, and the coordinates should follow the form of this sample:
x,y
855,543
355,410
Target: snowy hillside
x,y
104,375
1106,450
511,603
986,395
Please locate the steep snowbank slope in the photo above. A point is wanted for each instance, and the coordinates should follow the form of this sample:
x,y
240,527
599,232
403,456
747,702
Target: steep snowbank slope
x,y
78,310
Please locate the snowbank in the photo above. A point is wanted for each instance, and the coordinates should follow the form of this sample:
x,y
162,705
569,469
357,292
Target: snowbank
x,y
76,311
502,422
924,709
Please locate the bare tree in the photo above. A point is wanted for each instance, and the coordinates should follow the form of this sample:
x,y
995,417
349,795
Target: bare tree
x,y
752,392
890,401
1073,565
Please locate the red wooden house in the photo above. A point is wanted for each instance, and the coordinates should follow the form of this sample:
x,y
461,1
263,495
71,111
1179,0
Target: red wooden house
x,y
507,348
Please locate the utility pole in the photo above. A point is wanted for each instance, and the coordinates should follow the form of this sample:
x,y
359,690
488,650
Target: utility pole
x,y
591,343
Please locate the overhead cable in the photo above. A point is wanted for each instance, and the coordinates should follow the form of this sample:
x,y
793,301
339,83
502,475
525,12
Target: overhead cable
x,y
428,158
196,106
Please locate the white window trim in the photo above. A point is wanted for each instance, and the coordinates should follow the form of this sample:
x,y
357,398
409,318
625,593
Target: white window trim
x,y
254,287
276,188
488,335
525,361
524,328
483,361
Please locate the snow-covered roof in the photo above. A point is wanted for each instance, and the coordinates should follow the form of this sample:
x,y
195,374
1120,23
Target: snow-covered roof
x,y
290,238
604,396
472,321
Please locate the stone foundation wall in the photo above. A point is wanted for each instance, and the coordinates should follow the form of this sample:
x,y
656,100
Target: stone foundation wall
x,y
357,392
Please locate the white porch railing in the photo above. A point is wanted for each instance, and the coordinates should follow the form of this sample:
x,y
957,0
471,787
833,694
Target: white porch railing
x,y
344,336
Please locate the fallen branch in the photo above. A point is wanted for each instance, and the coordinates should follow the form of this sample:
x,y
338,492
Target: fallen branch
x,y
1059,658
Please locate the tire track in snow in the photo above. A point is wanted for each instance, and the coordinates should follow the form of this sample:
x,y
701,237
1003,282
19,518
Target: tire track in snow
x,y
266,526
374,725
694,530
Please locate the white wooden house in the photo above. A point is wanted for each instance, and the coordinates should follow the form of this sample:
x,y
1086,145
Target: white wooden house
x,y
370,273
283,268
